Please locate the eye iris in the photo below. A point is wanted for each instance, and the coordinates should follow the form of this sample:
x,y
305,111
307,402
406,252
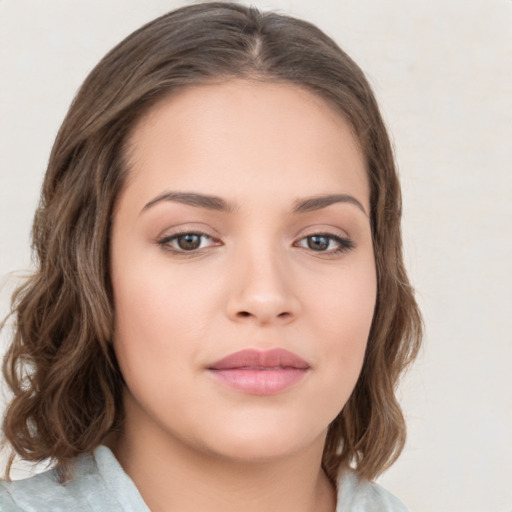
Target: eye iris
x,y
318,242
189,241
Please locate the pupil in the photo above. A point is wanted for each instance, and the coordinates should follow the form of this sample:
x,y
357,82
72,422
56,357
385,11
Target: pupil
x,y
318,243
189,241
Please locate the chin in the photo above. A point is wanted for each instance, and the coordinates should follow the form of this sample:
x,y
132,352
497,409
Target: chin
x,y
261,443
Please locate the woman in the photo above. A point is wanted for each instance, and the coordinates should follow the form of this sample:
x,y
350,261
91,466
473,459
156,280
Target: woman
x,y
221,312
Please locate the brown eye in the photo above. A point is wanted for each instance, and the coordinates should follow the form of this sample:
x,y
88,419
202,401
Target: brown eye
x,y
318,242
188,242
326,243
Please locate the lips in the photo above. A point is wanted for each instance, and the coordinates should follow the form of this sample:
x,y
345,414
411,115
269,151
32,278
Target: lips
x,y
260,372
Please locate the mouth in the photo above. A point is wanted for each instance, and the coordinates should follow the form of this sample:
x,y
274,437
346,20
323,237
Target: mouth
x,y
260,372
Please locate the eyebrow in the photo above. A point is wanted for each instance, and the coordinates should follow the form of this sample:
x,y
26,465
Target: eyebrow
x,y
318,202
192,199
216,203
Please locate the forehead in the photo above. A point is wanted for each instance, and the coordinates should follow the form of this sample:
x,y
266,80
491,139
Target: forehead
x,y
268,136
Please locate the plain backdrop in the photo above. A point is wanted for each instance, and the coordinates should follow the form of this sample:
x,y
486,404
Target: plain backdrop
x,y
442,71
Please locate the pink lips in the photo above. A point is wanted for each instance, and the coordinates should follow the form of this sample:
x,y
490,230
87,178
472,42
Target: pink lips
x,y
260,372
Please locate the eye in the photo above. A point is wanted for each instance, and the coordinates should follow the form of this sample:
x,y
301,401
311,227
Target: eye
x,y
186,242
326,243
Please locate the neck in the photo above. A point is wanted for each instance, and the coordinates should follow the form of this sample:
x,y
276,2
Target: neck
x,y
170,476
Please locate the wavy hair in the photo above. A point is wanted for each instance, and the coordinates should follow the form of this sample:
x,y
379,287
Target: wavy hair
x,y
61,368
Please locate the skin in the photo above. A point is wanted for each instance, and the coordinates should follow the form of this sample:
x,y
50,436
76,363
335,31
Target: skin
x,y
190,442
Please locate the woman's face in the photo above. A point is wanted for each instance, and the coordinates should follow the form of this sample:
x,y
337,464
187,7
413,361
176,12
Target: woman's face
x,y
243,270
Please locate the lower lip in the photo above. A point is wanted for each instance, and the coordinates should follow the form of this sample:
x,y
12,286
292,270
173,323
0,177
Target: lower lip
x,y
260,382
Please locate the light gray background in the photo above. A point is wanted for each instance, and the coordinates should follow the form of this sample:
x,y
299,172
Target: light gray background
x,y
442,71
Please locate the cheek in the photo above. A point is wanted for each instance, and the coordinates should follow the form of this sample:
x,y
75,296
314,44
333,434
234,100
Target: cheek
x,y
344,314
345,300
158,317
152,295
340,315
156,333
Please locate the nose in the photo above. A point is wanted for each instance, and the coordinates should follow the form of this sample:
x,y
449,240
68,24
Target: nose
x,y
262,291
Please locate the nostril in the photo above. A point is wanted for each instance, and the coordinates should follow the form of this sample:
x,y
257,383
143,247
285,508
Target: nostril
x,y
284,315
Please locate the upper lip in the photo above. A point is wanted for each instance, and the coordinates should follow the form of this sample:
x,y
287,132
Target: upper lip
x,y
260,359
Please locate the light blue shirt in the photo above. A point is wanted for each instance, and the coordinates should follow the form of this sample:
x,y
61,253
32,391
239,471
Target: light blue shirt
x,y
101,485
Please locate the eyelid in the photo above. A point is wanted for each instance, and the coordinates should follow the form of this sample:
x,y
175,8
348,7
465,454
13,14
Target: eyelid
x,y
182,228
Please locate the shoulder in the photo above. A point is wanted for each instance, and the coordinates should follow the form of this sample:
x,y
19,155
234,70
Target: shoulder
x,y
358,495
41,493
87,491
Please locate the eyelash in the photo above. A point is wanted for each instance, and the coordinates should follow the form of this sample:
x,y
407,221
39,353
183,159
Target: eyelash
x,y
344,244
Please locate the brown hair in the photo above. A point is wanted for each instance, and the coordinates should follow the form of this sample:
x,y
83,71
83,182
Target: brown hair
x,y
60,366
